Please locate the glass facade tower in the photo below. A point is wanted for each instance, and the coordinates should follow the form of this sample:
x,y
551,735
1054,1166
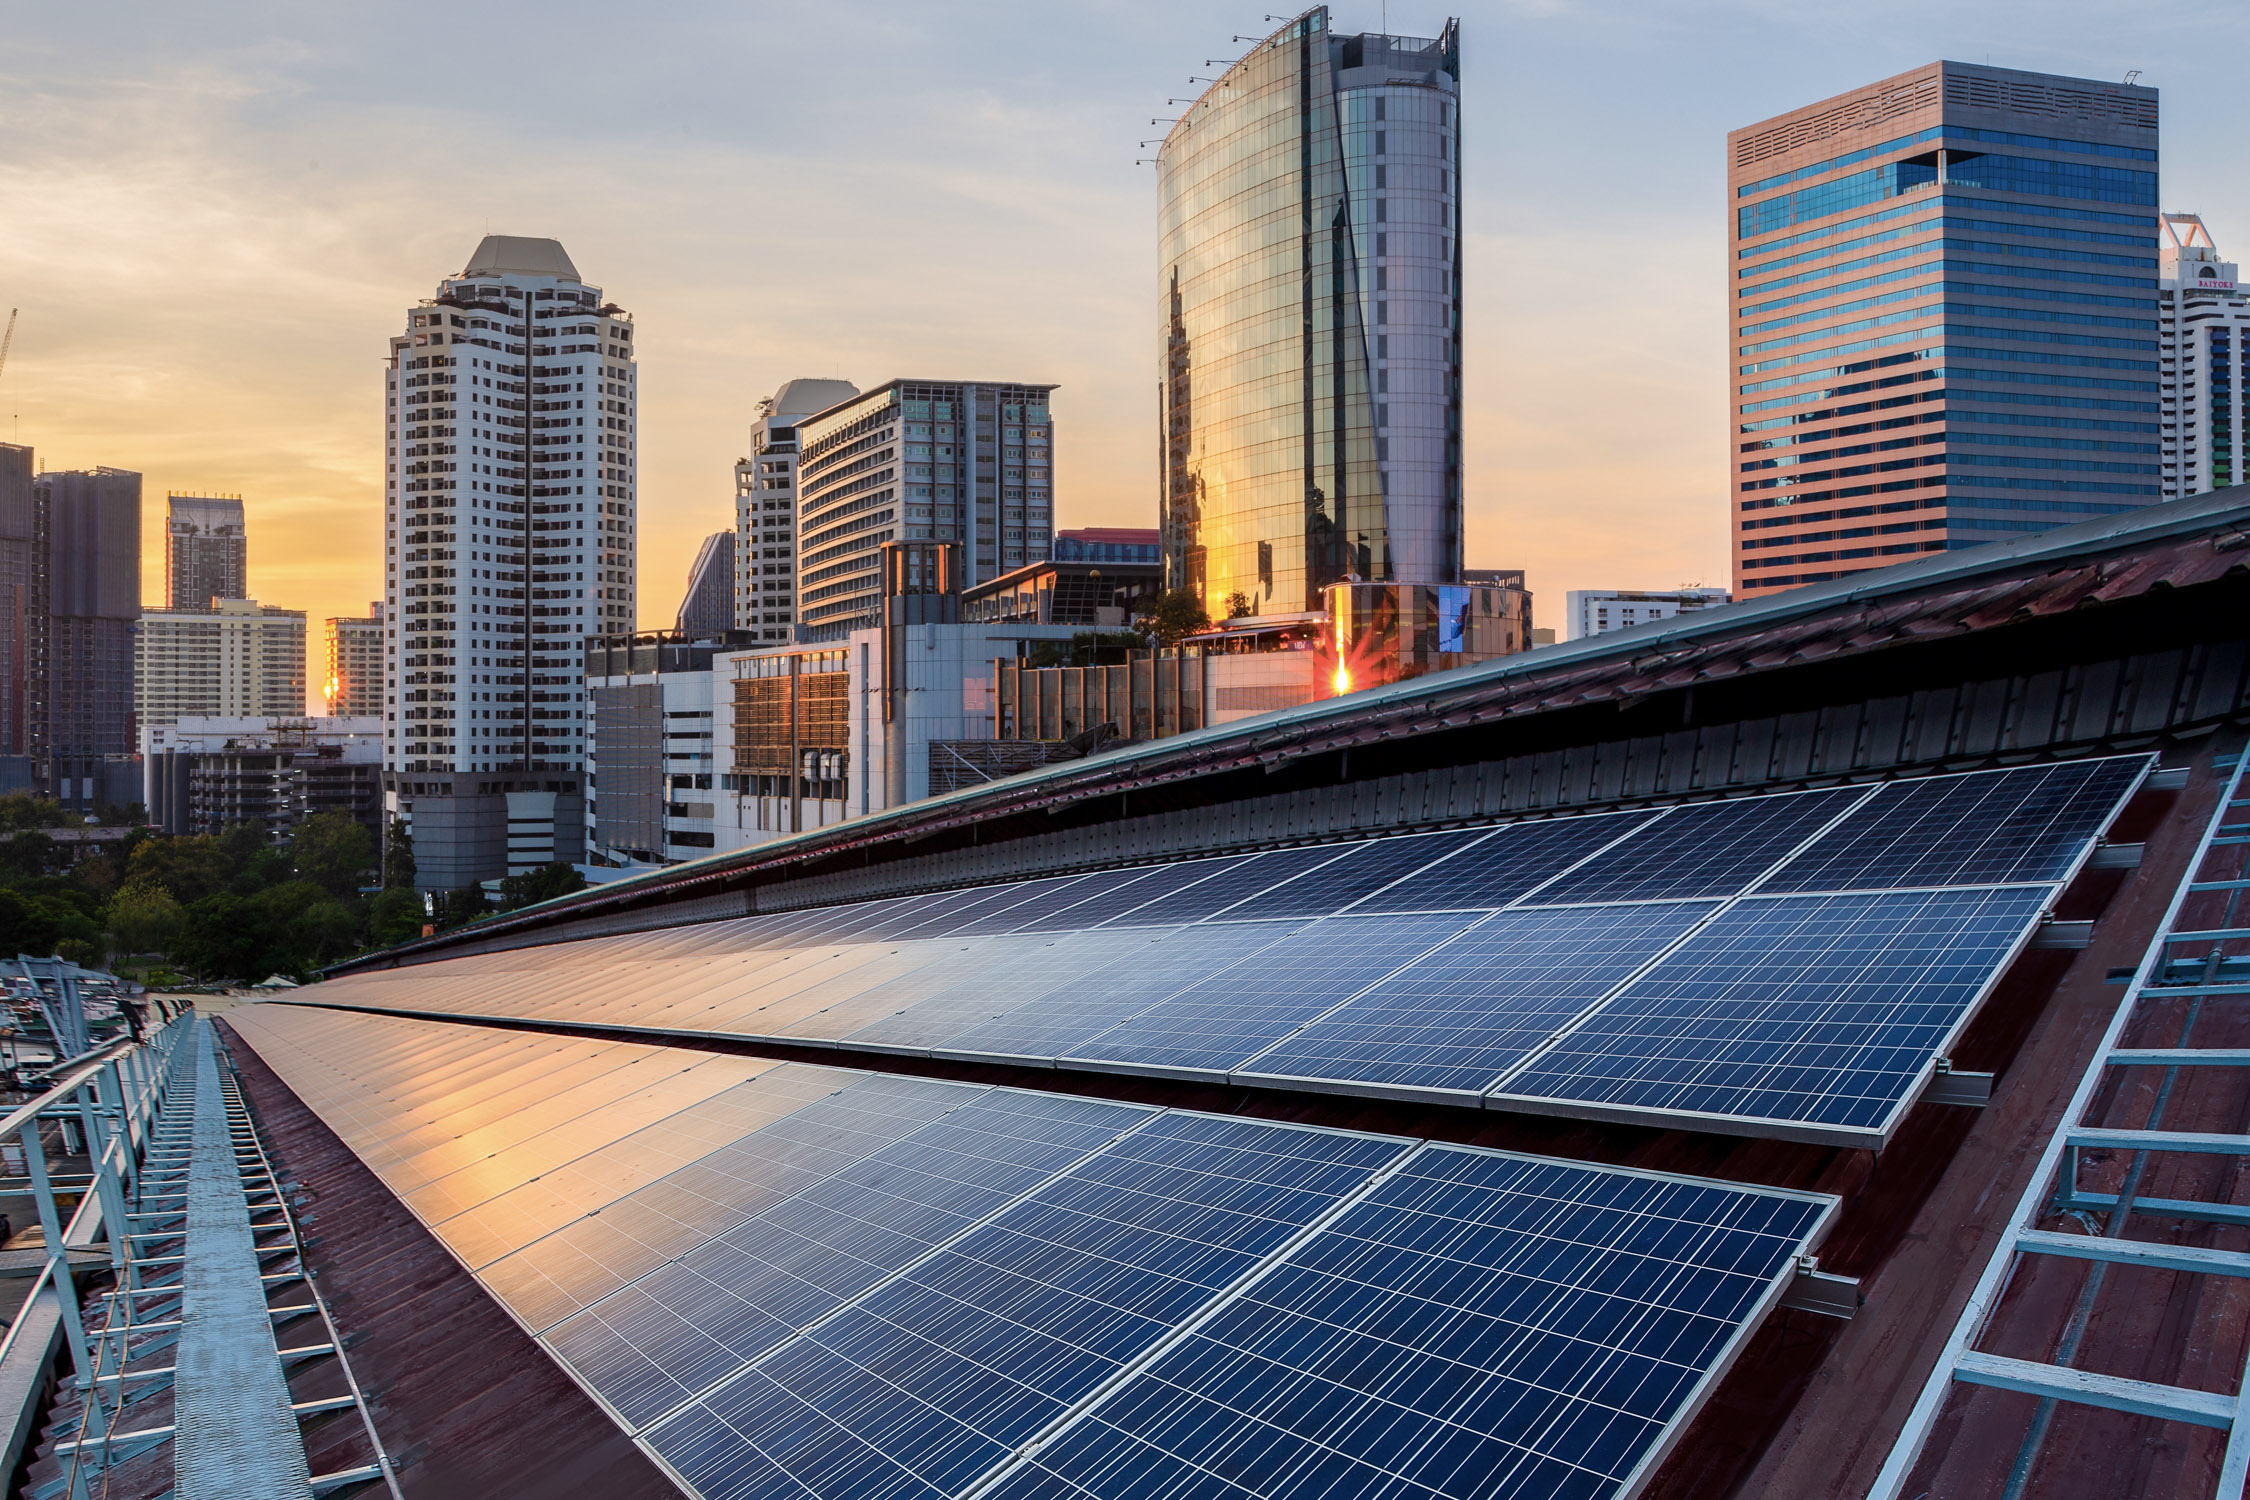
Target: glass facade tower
x,y
1943,302
1309,317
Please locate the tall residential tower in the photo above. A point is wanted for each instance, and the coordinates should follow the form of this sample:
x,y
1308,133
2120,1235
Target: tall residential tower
x,y
206,550
509,532
1309,320
765,508
1943,319
2206,361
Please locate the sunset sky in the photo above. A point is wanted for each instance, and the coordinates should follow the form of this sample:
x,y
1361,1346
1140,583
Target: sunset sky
x,y
216,214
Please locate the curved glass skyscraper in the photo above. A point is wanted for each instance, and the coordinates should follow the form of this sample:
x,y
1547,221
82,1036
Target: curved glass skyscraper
x,y
1309,307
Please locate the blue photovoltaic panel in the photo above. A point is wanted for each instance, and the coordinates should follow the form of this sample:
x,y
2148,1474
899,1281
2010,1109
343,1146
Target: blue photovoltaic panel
x,y
931,1380
1816,1009
692,1323
1360,871
1215,1024
1476,1007
1057,1024
1034,899
1100,897
1707,849
1988,828
1223,887
1480,1326
1504,866
587,1259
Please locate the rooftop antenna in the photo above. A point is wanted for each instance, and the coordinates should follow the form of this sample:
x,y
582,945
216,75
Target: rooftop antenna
x,y
2129,77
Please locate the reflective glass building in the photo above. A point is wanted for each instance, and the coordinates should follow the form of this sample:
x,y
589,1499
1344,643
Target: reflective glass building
x,y
1309,311
1943,292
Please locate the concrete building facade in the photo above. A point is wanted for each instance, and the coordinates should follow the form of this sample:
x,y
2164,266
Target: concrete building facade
x,y
765,508
511,500
233,658
707,607
1599,611
1942,291
966,463
206,550
353,682
2206,358
84,595
204,774
1308,321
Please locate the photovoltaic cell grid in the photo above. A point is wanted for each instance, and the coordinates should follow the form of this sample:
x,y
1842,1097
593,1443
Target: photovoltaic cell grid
x,y
929,1289
1322,967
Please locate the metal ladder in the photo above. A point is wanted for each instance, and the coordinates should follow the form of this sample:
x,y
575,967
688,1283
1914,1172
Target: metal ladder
x,y
2054,1188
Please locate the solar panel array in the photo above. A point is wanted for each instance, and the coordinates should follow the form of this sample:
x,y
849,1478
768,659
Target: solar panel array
x,y
790,1281
1787,964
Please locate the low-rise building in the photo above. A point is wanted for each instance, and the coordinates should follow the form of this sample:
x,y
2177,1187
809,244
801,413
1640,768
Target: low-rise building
x,y
206,773
1599,611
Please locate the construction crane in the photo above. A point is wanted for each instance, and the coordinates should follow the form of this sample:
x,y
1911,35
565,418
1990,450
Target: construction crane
x,y
7,338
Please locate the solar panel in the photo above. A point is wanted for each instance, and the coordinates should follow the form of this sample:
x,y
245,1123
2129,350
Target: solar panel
x,y
1498,870
702,1318
852,1117
1067,1016
1456,1020
932,1379
1046,963
2032,823
1821,1011
1221,888
1480,1325
1706,849
1213,1025
1102,896
1361,870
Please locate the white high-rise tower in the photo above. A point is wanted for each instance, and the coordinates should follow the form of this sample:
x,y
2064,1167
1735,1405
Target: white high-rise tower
x,y
2204,324
508,539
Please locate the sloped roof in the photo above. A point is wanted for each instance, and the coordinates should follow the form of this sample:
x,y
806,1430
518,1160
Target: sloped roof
x,y
499,254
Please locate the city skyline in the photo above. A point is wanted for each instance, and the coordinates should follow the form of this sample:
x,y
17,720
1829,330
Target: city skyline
x,y
213,144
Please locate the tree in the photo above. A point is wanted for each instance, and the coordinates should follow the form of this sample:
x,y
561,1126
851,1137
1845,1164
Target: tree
x,y
1173,615
26,856
334,851
464,905
398,856
143,919
542,884
395,916
190,868
1239,606
22,810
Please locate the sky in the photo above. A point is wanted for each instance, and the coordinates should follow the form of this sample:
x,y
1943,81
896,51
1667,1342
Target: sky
x,y
216,215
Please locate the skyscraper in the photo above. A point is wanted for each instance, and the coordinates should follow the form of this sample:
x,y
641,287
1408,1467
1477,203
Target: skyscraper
x,y
765,507
18,562
2206,331
509,530
707,608
353,683
206,550
1943,302
968,462
84,600
1309,320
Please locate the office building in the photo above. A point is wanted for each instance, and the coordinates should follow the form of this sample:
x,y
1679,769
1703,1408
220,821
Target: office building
x,y
353,683
2206,331
234,658
1943,298
707,607
1094,595
206,550
1309,321
207,773
1599,611
765,508
652,746
19,562
509,531
918,460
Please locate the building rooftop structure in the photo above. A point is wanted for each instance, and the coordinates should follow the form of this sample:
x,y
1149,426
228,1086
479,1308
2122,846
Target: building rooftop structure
x,y
1645,967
